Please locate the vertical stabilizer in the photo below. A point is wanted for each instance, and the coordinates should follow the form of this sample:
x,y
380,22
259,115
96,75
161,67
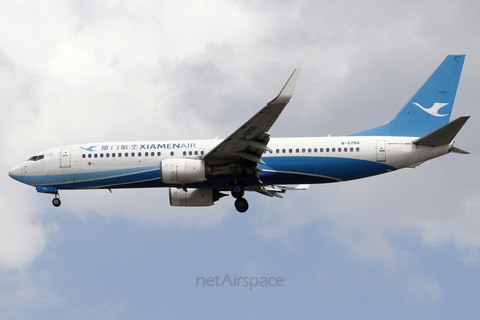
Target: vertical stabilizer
x,y
430,108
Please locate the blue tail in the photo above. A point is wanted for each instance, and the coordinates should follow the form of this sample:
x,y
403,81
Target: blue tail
x,y
430,107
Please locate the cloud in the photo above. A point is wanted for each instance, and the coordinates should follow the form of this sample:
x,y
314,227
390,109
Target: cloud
x,y
21,293
424,289
21,239
147,206
22,234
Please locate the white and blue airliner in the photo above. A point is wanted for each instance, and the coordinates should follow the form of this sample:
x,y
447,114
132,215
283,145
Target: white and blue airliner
x,y
199,172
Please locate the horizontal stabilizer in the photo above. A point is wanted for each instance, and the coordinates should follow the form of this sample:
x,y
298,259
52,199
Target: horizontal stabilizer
x,y
443,135
458,150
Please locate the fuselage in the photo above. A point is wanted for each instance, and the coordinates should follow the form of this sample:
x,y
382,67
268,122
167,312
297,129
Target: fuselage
x,y
249,159
308,160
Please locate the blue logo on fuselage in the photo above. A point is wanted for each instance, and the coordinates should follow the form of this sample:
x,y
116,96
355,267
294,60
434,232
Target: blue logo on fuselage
x,y
89,148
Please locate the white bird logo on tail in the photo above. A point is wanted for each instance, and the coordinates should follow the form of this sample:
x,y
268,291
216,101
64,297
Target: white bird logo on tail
x,y
434,109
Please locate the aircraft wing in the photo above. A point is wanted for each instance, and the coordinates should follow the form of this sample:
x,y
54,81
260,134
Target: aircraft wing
x,y
245,146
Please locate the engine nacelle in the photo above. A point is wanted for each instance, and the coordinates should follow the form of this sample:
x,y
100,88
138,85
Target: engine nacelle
x,y
194,197
183,171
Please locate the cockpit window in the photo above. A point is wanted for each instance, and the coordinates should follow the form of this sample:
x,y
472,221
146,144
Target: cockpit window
x,y
36,158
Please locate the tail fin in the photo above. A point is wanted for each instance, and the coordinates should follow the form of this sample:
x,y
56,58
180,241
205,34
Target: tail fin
x,y
430,108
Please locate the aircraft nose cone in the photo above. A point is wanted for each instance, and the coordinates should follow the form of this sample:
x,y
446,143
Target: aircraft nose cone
x,y
16,173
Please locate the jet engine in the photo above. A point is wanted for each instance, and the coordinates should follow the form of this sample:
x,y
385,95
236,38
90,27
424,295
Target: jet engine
x,y
184,171
194,197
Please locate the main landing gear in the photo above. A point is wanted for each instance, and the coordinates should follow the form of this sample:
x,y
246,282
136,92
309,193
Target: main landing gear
x,y
241,204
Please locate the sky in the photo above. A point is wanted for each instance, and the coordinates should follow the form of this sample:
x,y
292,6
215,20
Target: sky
x,y
400,245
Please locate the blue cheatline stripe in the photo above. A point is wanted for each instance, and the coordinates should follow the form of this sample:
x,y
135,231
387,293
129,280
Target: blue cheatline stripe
x,y
328,168
118,181
69,178
277,170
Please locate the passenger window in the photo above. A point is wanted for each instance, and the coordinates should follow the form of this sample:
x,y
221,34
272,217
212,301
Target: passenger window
x,y
345,149
189,153
126,154
303,150
152,154
321,149
339,149
351,149
358,149
184,153
315,150
89,155
101,155
327,150
172,153
202,152
139,154
290,150
133,154
108,155
297,150
283,150
83,155
95,155
309,150
333,149
119,155
159,154
113,155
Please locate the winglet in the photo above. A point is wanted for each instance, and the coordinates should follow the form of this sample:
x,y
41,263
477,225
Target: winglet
x,y
287,90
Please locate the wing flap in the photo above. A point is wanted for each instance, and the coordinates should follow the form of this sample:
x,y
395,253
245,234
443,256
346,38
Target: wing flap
x,y
276,191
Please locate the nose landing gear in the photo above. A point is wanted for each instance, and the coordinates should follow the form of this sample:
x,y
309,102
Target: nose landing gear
x,y
56,201
50,190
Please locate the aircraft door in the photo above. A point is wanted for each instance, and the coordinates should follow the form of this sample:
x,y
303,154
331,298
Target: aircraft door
x,y
381,151
65,157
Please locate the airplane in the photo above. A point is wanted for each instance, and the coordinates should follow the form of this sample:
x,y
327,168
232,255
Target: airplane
x,y
198,172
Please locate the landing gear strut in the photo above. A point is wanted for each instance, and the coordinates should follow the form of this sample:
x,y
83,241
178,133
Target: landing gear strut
x,y
241,204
